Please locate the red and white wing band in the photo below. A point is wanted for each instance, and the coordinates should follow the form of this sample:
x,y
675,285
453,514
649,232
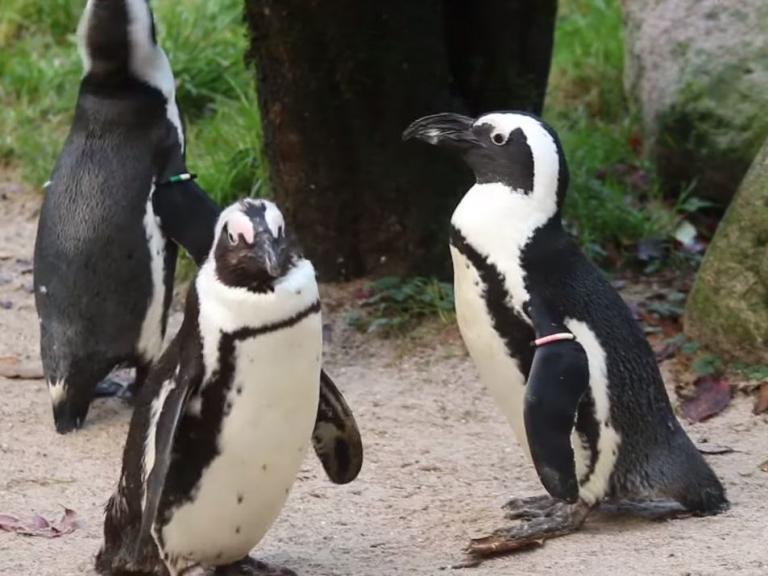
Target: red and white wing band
x,y
553,338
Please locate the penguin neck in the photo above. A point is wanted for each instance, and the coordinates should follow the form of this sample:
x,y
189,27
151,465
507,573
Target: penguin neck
x,y
229,308
498,221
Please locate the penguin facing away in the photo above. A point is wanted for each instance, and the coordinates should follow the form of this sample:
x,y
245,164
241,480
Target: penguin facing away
x,y
222,426
103,267
111,223
554,343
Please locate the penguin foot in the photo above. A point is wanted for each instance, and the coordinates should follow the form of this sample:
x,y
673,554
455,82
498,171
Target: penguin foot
x,y
563,519
251,567
530,507
110,387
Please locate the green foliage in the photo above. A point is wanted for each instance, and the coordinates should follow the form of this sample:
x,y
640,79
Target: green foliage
x,y
393,305
205,41
707,365
614,200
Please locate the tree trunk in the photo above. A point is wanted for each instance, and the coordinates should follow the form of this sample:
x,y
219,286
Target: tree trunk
x,y
339,81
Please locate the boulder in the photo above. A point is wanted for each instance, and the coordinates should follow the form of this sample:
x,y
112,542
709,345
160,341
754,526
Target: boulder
x,y
727,309
698,72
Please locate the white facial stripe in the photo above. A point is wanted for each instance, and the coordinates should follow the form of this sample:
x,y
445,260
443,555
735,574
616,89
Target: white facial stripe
x,y
149,62
274,218
82,31
546,161
272,215
238,224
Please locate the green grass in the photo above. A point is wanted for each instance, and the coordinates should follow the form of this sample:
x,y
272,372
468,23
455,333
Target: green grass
x,y
392,306
206,41
600,134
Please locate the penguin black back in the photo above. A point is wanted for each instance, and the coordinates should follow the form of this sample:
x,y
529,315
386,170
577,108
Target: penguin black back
x,y
103,267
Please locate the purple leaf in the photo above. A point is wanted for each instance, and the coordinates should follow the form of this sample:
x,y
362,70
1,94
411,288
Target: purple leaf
x,y
711,396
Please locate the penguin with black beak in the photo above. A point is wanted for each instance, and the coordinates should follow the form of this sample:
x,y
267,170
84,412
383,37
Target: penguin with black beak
x,y
554,342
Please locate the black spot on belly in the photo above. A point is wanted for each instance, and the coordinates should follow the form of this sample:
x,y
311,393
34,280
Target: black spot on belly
x,y
264,467
512,328
239,498
237,530
239,390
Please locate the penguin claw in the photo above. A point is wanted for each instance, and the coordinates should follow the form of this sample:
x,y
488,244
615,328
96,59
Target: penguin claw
x,y
563,519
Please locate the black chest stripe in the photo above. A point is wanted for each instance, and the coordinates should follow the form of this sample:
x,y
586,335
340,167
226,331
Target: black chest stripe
x,y
196,443
515,332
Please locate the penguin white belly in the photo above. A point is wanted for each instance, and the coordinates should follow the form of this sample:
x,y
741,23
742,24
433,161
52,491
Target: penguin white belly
x,y
262,444
150,344
499,372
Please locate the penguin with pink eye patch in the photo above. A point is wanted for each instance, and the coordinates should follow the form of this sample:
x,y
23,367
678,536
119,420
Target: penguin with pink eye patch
x,y
225,419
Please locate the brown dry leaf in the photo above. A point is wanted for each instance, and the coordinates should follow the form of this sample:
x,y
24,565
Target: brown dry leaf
x,y
711,394
39,526
12,368
761,402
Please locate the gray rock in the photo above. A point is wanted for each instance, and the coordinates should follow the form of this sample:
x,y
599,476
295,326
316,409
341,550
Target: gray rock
x,y
698,71
727,309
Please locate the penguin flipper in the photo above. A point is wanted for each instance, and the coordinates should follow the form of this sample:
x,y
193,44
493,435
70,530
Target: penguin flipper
x,y
188,216
182,385
558,378
336,438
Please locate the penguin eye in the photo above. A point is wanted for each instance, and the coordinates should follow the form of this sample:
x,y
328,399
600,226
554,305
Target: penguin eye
x,y
498,139
232,238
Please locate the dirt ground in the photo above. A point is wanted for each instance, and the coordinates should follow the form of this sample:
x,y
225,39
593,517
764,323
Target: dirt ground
x,y
440,461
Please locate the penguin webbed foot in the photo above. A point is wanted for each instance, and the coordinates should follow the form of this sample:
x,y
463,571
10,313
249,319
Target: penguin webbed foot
x,y
530,507
112,387
556,518
251,567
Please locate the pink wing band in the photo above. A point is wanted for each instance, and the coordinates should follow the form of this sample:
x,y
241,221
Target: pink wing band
x,y
553,338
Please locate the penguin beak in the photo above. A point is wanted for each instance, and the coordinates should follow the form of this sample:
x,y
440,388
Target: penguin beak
x,y
452,131
272,262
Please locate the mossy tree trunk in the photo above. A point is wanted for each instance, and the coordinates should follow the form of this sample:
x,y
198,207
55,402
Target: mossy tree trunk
x,y
339,81
728,307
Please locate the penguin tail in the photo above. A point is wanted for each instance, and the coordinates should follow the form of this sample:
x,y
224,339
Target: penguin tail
x,y
683,475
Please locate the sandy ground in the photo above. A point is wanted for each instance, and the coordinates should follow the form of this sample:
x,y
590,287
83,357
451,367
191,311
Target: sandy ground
x,y
440,461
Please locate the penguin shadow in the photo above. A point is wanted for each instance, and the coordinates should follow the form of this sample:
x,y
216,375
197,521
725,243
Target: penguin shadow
x,y
113,400
629,515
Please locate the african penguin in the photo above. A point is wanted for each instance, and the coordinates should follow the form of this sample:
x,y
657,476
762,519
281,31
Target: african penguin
x,y
552,340
103,266
222,425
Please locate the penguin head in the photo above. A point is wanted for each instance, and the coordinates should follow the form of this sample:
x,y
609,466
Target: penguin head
x,y
251,249
120,36
514,149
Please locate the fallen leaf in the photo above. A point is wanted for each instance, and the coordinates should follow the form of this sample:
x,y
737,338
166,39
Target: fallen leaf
x,y
711,395
39,526
764,466
13,369
761,402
